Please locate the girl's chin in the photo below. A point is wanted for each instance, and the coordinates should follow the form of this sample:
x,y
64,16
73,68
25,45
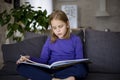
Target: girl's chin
x,y
60,37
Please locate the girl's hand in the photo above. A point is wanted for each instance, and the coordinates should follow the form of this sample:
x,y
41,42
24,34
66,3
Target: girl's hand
x,y
22,59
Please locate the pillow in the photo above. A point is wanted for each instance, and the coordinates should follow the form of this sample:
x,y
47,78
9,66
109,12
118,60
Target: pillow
x,y
103,48
12,52
32,47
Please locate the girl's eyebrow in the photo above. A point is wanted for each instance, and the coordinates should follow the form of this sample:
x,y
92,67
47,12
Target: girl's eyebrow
x,y
58,25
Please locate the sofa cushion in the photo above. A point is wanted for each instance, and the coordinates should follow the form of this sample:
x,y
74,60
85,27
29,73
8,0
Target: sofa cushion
x,y
8,69
29,35
12,77
12,52
78,32
102,76
32,47
103,48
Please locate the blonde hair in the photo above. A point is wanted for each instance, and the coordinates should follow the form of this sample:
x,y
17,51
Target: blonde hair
x,y
59,15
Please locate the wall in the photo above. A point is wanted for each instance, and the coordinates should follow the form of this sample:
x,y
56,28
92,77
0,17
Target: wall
x,y
113,21
87,13
3,6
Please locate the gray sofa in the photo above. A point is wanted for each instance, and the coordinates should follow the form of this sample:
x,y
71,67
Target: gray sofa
x,y
103,49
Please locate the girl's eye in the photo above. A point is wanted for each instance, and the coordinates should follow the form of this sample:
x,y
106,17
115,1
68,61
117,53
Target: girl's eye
x,y
60,26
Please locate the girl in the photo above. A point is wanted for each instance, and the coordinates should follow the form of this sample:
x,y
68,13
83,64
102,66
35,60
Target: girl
x,y
62,45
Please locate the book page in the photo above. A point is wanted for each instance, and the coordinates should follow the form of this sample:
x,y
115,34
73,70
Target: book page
x,y
69,62
35,63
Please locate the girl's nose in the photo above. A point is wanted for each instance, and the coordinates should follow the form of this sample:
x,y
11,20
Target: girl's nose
x,y
58,29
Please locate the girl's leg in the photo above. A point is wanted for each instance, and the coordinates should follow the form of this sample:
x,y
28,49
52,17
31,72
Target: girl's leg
x,y
33,72
78,71
69,78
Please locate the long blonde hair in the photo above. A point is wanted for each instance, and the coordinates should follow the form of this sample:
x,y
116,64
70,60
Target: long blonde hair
x,y
59,15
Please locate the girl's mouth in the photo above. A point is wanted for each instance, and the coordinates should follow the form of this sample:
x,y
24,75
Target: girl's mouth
x,y
59,34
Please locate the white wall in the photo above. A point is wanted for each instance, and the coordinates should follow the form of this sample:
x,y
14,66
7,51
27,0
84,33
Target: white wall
x,y
45,4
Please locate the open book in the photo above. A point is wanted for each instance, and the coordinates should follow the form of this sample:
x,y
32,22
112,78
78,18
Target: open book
x,y
57,64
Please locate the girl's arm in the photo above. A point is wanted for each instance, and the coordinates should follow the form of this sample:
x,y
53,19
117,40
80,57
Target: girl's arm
x,y
44,55
78,48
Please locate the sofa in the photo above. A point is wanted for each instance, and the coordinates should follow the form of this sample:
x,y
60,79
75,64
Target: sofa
x,y
101,47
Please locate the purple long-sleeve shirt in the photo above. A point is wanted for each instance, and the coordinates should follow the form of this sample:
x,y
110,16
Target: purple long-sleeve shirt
x,y
62,49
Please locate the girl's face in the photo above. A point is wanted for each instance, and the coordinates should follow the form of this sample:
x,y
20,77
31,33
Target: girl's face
x,y
59,28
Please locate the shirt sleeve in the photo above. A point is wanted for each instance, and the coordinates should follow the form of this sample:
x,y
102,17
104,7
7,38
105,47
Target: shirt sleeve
x,y
78,48
44,55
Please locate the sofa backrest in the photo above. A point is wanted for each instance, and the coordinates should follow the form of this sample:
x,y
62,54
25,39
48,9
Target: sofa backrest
x,y
32,47
103,49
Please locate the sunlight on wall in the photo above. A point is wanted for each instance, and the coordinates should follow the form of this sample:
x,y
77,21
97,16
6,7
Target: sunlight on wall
x,y
45,4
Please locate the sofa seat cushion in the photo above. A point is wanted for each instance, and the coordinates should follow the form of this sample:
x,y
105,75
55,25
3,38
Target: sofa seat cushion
x,y
102,76
103,48
12,77
8,69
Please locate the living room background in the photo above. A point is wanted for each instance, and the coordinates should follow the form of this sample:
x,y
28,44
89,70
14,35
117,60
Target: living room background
x,y
87,10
